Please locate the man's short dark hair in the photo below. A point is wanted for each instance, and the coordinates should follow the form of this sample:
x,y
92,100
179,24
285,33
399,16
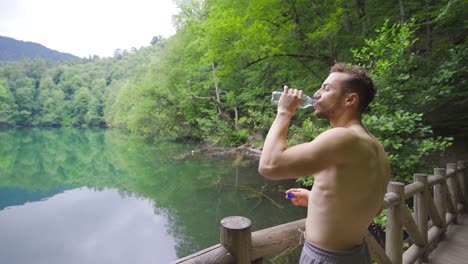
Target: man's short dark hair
x,y
359,82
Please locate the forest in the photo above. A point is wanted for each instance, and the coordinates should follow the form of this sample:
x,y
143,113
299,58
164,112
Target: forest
x,y
211,82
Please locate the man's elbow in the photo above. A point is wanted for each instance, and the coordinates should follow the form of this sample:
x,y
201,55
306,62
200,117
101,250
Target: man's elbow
x,y
268,172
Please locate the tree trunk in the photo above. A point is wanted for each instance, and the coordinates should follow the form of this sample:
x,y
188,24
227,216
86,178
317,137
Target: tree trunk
x,y
236,118
402,13
428,26
215,80
361,13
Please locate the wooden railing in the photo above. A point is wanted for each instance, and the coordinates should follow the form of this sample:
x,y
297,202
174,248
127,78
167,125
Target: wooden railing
x,y
439,201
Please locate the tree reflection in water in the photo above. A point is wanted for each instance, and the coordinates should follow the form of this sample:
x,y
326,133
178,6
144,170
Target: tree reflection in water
x,y
192,194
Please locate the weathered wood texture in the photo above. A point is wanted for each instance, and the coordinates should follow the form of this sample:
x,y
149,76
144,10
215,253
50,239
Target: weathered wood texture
x,y
264,242
394,238
443,209
236,237
454,248
271,240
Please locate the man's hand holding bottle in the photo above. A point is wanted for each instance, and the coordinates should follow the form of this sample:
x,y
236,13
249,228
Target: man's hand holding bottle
x,y
298,196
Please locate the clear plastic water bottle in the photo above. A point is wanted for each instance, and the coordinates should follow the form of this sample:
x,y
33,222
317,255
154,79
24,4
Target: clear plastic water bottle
x,y
307,101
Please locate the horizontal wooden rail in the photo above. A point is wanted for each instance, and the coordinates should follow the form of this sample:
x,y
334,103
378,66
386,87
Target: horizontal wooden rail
x,y
413,189
275,239
441,197
391,199
265,242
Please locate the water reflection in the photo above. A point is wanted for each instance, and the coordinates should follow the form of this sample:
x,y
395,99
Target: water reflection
x,y
85,226
10,196
179,202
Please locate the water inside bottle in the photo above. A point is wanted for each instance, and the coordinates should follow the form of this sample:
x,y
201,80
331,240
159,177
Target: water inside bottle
x,y
306,102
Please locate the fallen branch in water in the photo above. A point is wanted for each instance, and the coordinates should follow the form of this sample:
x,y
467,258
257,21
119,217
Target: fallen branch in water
x,y
218,151
260,194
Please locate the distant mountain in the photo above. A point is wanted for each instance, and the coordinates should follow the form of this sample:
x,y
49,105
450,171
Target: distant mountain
x,y
12,50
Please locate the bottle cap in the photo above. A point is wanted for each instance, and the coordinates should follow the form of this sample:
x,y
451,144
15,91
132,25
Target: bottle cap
x,y
290,195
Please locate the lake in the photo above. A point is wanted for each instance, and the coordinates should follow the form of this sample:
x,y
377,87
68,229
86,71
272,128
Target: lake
x,y
101,196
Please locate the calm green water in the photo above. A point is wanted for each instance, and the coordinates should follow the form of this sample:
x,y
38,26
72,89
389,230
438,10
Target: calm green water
x,y
99,196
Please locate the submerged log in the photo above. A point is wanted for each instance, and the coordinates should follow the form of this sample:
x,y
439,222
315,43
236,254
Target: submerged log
x,y
219,152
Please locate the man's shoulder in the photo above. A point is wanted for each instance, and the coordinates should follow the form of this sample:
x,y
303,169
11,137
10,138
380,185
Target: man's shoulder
x,y
349,141
340,134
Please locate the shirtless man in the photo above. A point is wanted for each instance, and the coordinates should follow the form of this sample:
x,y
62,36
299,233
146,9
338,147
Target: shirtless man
x,y
350,167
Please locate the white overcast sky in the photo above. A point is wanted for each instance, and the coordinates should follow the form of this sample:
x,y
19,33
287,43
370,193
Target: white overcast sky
x,y
87,27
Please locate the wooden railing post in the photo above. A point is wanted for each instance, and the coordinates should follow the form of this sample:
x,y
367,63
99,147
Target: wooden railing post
x,y
440,196
461,174
451,205
454,188
394,225
465,176
421,212
236,237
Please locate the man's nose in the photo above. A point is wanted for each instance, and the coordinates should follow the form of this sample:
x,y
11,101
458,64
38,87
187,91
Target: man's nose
x,y
316,95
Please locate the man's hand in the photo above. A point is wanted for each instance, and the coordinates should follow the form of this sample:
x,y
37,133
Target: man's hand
x,y
289,100
298,197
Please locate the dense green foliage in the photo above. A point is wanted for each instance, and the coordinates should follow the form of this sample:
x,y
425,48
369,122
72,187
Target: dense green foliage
x,y
211,81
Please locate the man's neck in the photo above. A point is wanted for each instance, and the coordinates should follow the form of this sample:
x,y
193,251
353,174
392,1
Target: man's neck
x,y
345,121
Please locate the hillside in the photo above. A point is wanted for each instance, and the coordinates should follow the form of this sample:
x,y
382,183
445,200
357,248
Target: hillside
x,y
12,50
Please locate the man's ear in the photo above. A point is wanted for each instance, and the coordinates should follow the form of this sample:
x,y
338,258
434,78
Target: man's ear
x,y
352,99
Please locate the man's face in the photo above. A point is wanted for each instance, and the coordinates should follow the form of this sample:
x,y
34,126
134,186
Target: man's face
x,y
331,97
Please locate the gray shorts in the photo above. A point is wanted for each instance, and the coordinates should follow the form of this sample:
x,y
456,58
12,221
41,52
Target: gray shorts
x,y
314,255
